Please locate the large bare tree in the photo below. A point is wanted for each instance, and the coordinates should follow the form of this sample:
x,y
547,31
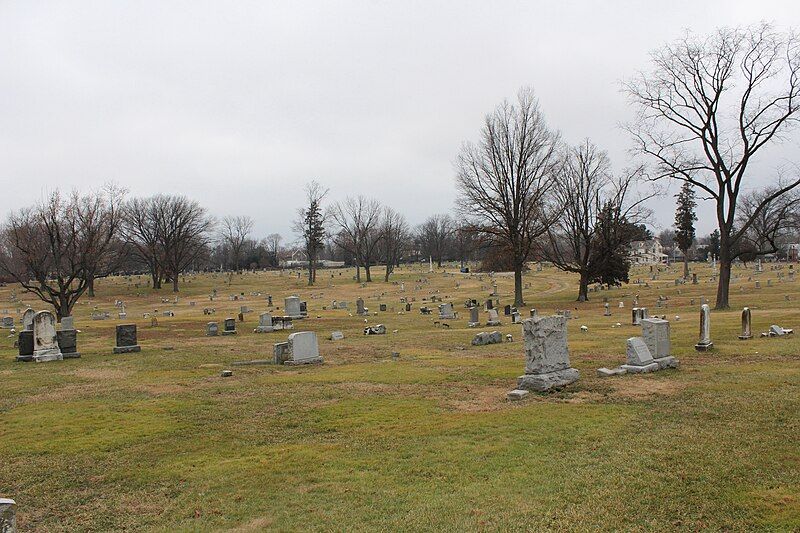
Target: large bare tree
x,y
53,249
356,223
394,239
435,235
184,230
234,232
707,108
583,187
503,180
140,229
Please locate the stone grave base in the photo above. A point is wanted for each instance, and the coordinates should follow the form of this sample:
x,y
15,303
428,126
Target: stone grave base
x,y
46,357
71,355
745,337
666,362
227,333
312,361
703,347
517,394
493,323
24,358
473,324
127,349
549,380
636,369
264,329
607,372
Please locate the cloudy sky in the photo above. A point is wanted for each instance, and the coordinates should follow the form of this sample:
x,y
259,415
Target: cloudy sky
x,y
239,104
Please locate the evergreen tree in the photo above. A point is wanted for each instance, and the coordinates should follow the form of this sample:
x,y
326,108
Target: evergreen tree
x,y
310,224
684,223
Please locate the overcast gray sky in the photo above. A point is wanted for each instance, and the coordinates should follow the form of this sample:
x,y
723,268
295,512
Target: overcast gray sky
x,y
239,104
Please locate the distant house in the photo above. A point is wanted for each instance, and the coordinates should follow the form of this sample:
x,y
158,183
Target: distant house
x,y
647,253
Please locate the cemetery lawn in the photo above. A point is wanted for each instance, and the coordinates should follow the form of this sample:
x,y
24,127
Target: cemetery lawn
x,y
159,441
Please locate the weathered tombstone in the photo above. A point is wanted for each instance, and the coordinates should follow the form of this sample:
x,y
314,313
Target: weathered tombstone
x,y
269,300
264,323
68,343
382,307
704,343
747,332
303,309
489,304
635,317
212,329
607,309
8,515
229,326
655,332
45,338
408,307
25,345
300,348
337,336
546,354
694,279
291,307
377,329
360,309
507,310
639,357
474,317
126,339
446,311
483,338
27,319
758,284
7,322
494,318
534,313
68,322
515,318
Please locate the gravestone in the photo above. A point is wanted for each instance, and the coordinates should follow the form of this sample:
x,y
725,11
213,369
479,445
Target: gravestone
x,y
489,304
474,317
483,338
494,318
25,346
507,310
299,349
607,311
8,515
636,317
382,307
704,343
27,319
515,318
45,338
291,307
7,322
360,309
212,329
126,339
264,323
229,326
446,311
546,354
68,322
68,343
639,357
337,336
656,335
377,329
747,332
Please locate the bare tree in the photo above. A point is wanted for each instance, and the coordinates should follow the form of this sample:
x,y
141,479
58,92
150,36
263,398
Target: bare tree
x,y
273,244
435,235
394,239
708,107
464,242
184,234
504,179
140,229
356,222
583,187
310,224
768,222
56,247
234,232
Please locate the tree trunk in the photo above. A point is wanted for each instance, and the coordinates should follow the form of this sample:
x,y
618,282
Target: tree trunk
x,y
685,265
366,271
175,283
90,285
388,271
723,286
518,301
583,288
439,261
358,272
310,272
154,274
63,308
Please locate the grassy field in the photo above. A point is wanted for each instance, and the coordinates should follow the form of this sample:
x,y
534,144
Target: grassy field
x,y
159,441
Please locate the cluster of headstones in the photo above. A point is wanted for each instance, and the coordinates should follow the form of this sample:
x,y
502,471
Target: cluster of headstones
x,y
41,341
647,353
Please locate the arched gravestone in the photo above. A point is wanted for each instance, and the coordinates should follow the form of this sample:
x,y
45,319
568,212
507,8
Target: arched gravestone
x,y
45,338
